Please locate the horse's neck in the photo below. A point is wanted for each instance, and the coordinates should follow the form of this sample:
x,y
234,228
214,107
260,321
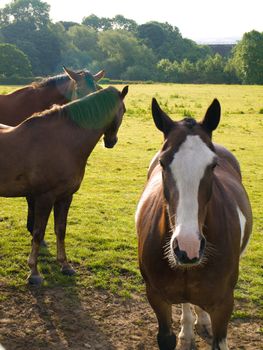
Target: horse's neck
x,y
82,140
59,95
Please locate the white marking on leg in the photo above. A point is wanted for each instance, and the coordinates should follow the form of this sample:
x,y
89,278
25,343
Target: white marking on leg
x,y
223,344
242,222
186,335
188,168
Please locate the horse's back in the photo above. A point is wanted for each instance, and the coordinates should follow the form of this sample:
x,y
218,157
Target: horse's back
x,y
18,105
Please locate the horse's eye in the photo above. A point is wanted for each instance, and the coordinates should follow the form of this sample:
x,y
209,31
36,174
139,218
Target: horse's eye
x,y
213,165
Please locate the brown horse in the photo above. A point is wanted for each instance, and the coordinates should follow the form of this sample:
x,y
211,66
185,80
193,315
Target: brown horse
x,y
49,164
21,104
193,221
60,89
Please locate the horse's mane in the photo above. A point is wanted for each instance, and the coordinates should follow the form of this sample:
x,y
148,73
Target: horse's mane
x,y
61,79
51,81
95,110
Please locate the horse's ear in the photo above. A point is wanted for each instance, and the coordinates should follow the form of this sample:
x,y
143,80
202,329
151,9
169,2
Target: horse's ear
x,y
71,74
99,75
162,121
212,117
124,91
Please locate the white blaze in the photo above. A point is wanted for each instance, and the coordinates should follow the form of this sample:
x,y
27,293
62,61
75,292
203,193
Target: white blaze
x,y
188,167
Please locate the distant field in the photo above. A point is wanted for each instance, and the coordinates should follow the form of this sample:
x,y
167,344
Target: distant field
x,y
101,239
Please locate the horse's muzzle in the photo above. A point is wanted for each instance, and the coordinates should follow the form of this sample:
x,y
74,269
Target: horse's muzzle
x,y
110,143
182,257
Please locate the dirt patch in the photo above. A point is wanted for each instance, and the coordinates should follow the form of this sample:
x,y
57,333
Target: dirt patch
x,y
66,318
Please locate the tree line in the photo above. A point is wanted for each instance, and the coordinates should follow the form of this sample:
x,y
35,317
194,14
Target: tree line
x,y
32,45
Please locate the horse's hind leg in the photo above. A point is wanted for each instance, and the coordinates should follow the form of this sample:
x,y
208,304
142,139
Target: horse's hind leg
x,y
220,316
61,209
30,218
166,338
42,209
186,335
203,324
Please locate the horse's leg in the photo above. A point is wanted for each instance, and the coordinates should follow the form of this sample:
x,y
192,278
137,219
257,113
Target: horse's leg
x,y
203,324
30,214
166,338
42,209
30,218
220,316
186,335
61,209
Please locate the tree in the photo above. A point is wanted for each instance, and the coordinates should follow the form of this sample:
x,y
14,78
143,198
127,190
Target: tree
x,y
28,27
84,38
248,58
13,62
120,22
97,23
34,12
122,50
41,46
167,42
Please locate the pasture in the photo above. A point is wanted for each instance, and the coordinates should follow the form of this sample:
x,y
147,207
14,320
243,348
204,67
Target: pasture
x,y
101,241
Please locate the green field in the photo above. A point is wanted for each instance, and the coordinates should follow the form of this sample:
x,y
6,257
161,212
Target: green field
x,y
101,239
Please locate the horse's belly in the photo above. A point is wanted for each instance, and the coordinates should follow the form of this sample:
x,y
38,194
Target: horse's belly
x,y
13,188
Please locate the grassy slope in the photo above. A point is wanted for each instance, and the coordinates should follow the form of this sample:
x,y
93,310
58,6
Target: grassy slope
x,y
101,239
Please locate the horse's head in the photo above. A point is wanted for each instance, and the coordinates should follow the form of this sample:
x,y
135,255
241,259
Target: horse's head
x,y
84,82
187,160
110,134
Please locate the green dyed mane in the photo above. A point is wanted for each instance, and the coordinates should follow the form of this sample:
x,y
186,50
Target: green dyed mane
x,y
95,110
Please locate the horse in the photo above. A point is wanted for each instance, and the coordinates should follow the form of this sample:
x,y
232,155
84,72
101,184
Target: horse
x,y
49,164
193,221
60,89
39,96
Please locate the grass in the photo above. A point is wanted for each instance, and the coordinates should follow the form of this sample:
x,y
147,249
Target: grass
x,y
101,240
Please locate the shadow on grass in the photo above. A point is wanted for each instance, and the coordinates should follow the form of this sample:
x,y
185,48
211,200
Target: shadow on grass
x,y
49,317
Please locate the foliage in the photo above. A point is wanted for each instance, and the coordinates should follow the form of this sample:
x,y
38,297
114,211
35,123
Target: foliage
x,y
122,51
150,51
13,62
248,58
33,12
27,26
213,69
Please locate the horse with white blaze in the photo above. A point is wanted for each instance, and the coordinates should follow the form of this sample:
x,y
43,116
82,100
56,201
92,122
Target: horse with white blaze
x,y
193,221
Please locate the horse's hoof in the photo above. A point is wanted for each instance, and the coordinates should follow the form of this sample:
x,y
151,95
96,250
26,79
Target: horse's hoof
x,y
68,271
167,342
184,344
35,280
43,244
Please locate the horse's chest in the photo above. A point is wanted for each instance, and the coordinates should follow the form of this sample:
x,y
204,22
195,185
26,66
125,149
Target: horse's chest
x,y
185,286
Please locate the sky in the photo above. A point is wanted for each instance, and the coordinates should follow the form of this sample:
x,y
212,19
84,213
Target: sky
x,y
199,20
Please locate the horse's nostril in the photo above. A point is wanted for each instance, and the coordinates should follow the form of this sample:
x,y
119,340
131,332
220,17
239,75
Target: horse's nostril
x,y
182,257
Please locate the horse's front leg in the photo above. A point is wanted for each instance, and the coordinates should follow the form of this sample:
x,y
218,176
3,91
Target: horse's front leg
x,y
61,209
163,310
31,218
42,209
220,316
186,335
